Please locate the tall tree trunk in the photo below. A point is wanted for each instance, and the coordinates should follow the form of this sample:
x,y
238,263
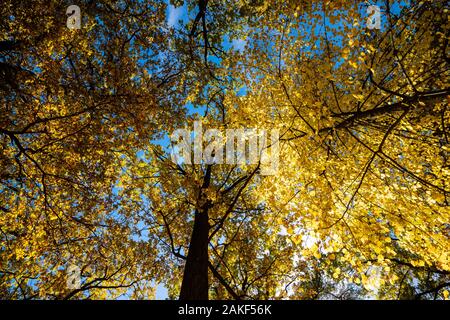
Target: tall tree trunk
x,y
195,278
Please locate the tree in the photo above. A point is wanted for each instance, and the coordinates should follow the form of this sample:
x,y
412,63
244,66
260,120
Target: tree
x,y
359,205
73,103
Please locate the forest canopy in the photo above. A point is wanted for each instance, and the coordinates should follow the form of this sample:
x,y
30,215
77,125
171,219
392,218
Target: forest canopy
x,y
93,205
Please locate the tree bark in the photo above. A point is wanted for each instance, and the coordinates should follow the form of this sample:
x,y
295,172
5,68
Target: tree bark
x,y
195,278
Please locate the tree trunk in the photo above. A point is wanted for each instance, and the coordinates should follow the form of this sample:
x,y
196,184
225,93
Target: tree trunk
x,y
195,278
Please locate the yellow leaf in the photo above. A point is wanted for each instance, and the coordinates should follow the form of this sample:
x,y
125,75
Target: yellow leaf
x,y
353,64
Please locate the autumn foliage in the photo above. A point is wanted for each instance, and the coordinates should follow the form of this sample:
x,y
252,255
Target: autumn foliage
x,y
359,207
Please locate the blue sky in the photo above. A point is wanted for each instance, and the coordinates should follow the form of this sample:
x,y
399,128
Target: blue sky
x,y
175,14
161,292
